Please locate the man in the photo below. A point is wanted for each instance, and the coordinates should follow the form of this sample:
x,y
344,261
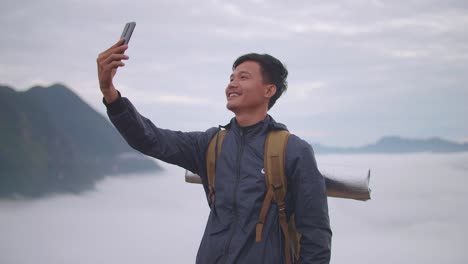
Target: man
x,y
256,83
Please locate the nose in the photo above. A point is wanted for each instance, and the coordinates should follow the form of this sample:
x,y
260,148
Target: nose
x,y
232,84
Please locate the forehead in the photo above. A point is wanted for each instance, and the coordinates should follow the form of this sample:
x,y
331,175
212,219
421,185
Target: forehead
x,y
251,67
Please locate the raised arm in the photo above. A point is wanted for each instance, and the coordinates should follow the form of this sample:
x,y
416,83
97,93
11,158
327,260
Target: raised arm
x,y
185,149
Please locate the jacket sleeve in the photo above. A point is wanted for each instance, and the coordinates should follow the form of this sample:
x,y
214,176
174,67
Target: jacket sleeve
x,y
309,200
184,149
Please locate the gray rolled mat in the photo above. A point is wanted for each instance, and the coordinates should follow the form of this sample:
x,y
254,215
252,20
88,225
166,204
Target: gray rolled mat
x,y
350,187
339,186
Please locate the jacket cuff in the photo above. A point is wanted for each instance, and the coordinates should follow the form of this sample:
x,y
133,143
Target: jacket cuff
x,y
116,107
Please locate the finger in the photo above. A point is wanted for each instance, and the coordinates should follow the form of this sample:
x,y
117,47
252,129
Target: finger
x,y
117,50
109,56
114,49
120,49
115,65
115,57
118,43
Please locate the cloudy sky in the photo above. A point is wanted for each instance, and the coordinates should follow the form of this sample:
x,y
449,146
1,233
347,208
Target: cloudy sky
x,y
359,69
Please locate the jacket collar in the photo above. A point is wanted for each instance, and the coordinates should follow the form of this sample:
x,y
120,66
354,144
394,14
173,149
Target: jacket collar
x,y
263,126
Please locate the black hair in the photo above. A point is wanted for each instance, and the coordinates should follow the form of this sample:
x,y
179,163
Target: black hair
x,y
273,72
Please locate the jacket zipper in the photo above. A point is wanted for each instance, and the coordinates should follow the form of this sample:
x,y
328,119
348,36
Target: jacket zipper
x,y
236,186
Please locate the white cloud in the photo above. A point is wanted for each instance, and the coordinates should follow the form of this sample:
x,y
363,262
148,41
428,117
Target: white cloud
x,y
177,99
413,211
408,53
304,91
232,9
447,21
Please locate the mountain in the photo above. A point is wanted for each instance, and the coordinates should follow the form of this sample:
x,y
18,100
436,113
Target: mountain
x,y
395,144
52,141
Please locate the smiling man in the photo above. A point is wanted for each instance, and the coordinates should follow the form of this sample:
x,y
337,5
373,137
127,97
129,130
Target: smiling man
x,y
237,197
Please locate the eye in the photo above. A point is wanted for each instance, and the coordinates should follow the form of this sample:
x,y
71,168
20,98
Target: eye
x,y
243,77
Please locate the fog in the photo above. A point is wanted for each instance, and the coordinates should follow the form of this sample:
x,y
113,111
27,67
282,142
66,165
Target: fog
x,y
417,214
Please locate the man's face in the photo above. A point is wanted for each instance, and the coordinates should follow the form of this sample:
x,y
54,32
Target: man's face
x,y
246,90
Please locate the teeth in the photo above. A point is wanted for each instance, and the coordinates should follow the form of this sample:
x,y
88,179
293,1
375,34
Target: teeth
x,y
233,95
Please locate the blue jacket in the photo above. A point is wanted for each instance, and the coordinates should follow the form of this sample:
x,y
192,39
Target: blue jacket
x,y
240,187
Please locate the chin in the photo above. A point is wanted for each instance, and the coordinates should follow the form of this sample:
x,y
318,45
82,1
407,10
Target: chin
x,y
231,107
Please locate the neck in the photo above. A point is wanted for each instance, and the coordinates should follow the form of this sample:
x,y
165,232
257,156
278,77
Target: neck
x,y
248,119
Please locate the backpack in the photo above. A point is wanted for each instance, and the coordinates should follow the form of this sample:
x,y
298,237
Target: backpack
x,y
275,179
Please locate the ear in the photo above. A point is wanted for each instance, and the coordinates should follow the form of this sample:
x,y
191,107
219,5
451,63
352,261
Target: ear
x,y
270,90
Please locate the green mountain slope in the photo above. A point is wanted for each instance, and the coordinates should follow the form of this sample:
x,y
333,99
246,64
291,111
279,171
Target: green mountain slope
x,y
52,141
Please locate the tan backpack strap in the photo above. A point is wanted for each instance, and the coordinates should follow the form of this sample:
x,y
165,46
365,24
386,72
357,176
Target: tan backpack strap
x,y
266,204
274,161
275,167
211,157
283,219
276,182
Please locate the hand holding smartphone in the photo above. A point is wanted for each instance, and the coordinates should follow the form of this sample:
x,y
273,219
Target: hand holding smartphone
x,y
127,32
110,60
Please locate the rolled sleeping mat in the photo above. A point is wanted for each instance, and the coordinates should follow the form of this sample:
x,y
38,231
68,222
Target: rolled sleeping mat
x,y
339,186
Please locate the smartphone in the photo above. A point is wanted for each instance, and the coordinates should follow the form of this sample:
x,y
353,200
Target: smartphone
x,y
127,32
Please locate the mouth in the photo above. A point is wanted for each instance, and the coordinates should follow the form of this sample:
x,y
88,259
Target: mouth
x,y
232,95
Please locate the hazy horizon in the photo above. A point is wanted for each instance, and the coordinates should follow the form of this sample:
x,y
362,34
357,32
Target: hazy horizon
x,y
316,143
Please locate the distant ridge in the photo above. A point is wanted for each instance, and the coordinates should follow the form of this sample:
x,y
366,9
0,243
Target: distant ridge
x,y
52,141
396,144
